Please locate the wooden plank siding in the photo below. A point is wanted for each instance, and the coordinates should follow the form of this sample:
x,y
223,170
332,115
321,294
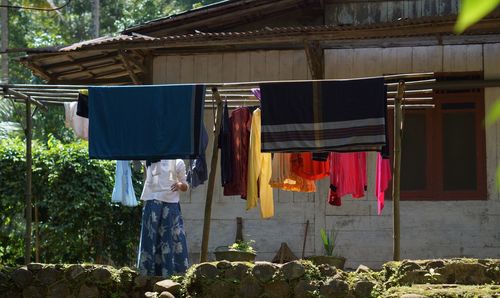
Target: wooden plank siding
x,y
360,229
358,12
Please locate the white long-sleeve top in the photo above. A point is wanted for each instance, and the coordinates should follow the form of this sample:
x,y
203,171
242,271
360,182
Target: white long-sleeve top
x,y
160,177
79,124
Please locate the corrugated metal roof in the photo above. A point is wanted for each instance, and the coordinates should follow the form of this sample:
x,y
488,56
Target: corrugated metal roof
x,y
206,13
166,19
428,27
104,40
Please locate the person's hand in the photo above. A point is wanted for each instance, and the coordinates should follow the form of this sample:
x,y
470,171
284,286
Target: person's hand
x,y
178,186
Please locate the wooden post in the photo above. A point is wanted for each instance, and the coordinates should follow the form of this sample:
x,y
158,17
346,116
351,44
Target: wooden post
x,y
29,161
315,59
37,235
396,180
211,178
239,229
305,239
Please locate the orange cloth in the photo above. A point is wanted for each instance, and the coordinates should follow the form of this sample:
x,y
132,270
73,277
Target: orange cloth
x,y
304,166
283,177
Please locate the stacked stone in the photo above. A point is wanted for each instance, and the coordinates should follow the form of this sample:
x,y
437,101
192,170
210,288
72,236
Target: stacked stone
x,y
58,281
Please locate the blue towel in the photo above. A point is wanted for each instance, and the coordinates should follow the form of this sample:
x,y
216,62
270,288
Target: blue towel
x,y
123,192
145,122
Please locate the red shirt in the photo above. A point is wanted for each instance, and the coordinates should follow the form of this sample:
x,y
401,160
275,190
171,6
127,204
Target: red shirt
x,y
240,123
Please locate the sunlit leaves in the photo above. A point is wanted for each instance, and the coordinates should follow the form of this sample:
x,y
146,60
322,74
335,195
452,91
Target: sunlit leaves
x,y
471,11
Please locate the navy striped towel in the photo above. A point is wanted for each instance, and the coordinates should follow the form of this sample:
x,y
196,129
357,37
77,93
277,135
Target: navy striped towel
x,y
341,115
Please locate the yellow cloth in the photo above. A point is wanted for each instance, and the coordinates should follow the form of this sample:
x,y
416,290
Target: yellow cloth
x,y
83,91
284,178
259,171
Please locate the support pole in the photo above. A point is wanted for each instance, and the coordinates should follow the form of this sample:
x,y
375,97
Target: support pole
x,y
211,178
396,180
29,161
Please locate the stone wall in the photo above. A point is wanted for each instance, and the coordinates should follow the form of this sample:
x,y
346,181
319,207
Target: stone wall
x,y
450,278
82,281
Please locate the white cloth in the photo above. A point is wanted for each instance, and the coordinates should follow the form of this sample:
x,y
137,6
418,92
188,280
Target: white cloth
x,y
159,178
80,125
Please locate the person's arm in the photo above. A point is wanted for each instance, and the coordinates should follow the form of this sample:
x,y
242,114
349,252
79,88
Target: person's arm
x,y
181,183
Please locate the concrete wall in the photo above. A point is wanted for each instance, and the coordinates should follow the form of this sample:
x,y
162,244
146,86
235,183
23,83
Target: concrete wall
x,y
429,229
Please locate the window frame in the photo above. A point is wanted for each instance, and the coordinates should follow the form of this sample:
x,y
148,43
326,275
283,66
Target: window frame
x,y
434,148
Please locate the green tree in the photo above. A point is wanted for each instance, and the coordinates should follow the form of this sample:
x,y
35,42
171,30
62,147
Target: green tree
x,y
78,221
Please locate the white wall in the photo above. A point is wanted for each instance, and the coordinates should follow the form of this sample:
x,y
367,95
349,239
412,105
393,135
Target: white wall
x,y
429,229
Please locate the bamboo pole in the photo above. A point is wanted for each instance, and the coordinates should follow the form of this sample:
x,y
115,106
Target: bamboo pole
x,y
29,162
37,235
211,179
396,180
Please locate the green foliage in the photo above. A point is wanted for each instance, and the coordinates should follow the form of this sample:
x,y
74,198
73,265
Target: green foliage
x,y
471,11
432,275
78,222
328,241
245,246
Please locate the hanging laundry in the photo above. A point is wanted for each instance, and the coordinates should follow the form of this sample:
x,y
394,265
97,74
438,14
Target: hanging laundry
x,y
146,122
259,172
344,115
284,178
241,122
304,166
347,176
82,109
123,191
80,125
383,178
226,147
198,171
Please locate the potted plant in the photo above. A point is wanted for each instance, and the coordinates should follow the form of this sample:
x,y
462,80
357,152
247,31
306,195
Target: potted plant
x,y
238,251
329,242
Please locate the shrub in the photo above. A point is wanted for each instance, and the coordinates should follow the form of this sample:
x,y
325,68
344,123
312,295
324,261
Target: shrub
x,y
78,221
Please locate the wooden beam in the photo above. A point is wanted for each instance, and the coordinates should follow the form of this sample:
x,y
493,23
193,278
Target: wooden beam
x,y
396,179
315,59
93,81
211,180
129,68
86,68
125,55
38,70
148,67
93,59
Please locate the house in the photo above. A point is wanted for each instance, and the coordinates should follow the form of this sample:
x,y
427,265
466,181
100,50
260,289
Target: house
x,y
450,203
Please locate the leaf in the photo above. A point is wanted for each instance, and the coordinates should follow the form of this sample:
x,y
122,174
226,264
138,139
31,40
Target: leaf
x,y
324,237
494,113
471,11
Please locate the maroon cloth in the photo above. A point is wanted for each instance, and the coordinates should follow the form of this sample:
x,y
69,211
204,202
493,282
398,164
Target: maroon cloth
x,y
240,123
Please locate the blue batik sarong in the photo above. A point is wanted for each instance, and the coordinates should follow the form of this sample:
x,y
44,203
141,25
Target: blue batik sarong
x,y
163,247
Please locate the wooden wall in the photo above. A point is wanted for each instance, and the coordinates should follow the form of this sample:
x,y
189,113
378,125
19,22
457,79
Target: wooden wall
x,y
429,229
354,12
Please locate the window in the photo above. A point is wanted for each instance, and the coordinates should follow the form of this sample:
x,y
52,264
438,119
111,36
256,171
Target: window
x,y
443,149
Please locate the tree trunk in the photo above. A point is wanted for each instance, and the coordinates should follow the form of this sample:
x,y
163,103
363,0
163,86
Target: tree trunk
x,y
4,16
96,11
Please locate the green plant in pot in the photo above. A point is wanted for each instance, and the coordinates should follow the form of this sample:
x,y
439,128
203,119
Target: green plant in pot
x,y
238,251
329,242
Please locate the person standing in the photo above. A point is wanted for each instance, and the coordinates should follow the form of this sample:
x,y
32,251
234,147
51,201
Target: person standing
x,y
163,246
